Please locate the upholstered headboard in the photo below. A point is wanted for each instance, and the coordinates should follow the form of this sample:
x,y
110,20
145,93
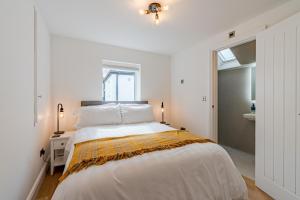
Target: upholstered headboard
x,y
96,103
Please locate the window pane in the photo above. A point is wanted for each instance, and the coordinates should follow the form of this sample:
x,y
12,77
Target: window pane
x,y
226,55
126,90
110,88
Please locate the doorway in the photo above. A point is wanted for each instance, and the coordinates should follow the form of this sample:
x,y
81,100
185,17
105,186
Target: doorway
x,y
234,106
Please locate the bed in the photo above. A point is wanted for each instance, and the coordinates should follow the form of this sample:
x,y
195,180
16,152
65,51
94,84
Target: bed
x,y
191,172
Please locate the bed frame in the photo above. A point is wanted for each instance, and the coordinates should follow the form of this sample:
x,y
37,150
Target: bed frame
x,y
96,103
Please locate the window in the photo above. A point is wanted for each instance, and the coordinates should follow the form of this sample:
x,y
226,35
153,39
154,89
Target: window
x,y
226,55
120,84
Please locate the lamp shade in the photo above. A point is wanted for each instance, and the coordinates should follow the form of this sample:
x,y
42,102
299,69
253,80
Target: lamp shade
x,y
60,114
162,113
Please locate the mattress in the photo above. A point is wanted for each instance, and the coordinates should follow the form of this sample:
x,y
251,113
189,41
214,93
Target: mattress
x,y
195,171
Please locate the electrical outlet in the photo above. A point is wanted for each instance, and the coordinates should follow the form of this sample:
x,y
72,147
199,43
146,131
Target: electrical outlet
x,y
204,98
42,152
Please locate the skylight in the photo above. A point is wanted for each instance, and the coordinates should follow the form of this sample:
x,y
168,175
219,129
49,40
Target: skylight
x,y
226,55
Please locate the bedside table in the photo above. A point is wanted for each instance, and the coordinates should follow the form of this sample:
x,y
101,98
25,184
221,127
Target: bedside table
x,y
57,150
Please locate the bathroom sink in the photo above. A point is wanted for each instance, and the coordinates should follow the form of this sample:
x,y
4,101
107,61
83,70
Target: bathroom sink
x,y
249,116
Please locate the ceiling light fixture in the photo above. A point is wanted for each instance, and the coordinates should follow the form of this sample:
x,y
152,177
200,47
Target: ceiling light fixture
x,y
154,8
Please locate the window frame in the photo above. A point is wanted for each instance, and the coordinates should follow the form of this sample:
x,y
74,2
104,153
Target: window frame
x,y
117,73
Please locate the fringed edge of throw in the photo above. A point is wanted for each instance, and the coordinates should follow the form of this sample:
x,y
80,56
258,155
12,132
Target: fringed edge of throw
x,y
103,159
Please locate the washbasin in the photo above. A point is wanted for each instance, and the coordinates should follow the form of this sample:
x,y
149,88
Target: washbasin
x,y
249,116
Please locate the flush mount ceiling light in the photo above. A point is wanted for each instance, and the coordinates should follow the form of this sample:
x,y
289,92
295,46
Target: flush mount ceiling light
x,y
154,8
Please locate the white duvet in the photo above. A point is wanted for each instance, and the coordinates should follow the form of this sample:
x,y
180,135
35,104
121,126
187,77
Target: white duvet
x,y
192,172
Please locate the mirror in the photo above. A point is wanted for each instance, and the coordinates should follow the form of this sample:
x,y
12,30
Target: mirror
x,y
253,83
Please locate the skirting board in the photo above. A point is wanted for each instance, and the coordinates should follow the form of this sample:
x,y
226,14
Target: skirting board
x,y
37,183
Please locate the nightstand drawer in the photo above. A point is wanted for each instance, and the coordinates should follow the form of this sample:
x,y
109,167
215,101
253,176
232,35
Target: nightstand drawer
x,y
60,144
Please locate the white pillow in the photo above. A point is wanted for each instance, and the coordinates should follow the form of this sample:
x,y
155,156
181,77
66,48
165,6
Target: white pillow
x,y
77,111
136,113
98,115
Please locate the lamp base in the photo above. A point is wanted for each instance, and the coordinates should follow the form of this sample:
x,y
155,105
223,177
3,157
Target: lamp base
x,y
59,132
163,122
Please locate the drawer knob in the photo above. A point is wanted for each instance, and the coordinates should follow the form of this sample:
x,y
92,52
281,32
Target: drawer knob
x,y
62,144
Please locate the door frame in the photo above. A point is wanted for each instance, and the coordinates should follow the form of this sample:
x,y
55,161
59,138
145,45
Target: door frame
x,y
214,77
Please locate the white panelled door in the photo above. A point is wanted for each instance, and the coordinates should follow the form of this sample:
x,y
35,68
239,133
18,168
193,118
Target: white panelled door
x,y
278,110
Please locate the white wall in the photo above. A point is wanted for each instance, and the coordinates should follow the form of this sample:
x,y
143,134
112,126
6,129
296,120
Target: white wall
x,y
20,141
77,74
194,66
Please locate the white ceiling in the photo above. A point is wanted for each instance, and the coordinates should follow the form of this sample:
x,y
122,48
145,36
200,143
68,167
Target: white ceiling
x,y
118,22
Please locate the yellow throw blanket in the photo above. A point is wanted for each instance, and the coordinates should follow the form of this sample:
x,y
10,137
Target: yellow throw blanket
x,y
100,151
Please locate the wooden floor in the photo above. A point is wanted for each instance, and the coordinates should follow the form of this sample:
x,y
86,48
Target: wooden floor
x,y
253,192
48,187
